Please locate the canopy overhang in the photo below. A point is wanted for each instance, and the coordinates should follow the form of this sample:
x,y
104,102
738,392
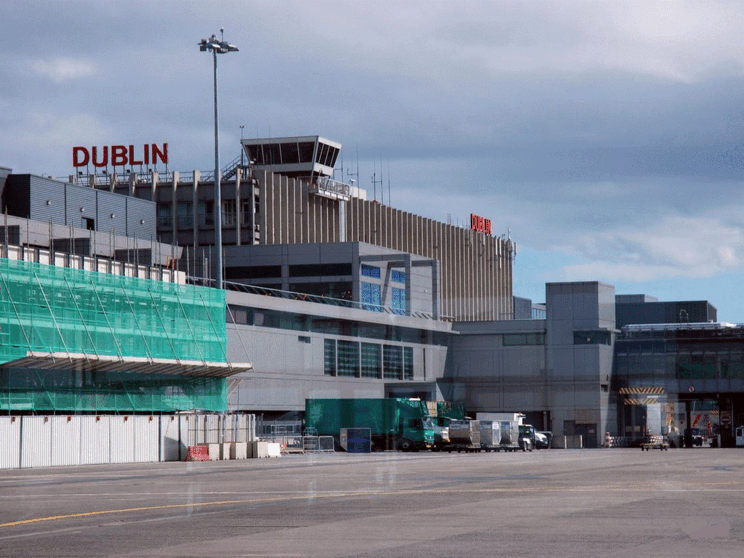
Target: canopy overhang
x,y
106,363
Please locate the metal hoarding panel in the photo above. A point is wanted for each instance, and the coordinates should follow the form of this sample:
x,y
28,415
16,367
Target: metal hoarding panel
x,y
229,428
213,429
170,439
10,442
65,440
95,440
145,439
195,430
183,435
36,442
122,439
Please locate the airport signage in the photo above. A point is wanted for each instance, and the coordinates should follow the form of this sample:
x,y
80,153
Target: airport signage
x,y
480,224
119,155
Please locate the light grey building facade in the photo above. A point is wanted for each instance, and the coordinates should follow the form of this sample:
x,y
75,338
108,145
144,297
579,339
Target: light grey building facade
x,y
297,202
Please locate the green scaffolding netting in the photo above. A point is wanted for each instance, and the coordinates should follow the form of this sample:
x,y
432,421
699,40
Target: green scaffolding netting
x,y
49,309
71,391
57,309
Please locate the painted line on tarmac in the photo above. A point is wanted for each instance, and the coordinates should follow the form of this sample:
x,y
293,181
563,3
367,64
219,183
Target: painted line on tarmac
x,y
408,492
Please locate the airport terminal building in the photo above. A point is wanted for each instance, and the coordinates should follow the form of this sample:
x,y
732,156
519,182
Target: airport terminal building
x,y
109,306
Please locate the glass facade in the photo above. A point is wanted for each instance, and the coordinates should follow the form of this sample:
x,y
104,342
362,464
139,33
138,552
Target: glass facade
x,y
329,357
669,379
348,358
370,271
371,360
392,357
371,297
336,326
399,300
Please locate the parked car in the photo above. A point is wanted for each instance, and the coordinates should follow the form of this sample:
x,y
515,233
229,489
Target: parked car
x,y
541,441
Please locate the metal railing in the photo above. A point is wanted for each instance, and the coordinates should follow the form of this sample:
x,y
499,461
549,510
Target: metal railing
x,y
318,299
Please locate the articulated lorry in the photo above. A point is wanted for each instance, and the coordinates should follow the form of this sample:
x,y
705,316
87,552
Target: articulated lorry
x,y
394,423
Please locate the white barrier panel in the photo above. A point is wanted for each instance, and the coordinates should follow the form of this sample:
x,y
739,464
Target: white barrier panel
x,y
183,436
10,442
196,430
95,440
122,439
170,442
238,450
41,441
65,440
214,451
36,442
213,424
146,439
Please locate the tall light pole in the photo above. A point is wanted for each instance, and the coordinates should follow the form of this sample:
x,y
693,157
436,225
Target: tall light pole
x,y
217,46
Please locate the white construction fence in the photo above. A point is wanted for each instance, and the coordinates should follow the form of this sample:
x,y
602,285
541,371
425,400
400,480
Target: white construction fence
x,y
45,441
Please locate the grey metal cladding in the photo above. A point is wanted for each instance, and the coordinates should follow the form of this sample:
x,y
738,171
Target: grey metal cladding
x,y
112,212
81,202
141,221
47,200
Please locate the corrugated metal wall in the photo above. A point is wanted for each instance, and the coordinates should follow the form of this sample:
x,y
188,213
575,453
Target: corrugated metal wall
x,y
475,273
36,442
10,442
43,441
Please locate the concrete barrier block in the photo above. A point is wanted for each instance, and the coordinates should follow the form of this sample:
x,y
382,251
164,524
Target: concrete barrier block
x,y
259,450
239,450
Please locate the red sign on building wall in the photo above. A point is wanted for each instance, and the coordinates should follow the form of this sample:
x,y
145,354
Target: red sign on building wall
x,y
119,155
480,224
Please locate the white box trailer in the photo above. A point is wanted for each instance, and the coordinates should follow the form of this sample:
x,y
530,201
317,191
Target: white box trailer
x,y
507,425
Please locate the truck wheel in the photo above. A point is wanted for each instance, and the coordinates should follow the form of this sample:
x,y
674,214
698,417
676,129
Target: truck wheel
x,y
405,445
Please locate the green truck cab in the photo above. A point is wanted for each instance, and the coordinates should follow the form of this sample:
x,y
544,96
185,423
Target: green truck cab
x,y
394,423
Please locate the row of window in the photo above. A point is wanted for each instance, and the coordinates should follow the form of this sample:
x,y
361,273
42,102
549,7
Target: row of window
x,y
333,326
355,359
680,367
599,337
292,153
513,339
371,298
204,214
373,272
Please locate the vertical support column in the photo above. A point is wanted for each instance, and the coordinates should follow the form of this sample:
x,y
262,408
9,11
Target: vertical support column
x,y
435,289
174,208
195,213
238,203
262,219
688,425
130,186
407,260
342,220
154,184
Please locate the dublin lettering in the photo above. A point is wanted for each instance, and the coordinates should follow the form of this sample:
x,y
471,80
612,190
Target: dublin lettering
x,y
480,224
119,155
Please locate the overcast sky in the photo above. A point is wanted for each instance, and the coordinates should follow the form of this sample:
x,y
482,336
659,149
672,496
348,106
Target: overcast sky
x,y
605,137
